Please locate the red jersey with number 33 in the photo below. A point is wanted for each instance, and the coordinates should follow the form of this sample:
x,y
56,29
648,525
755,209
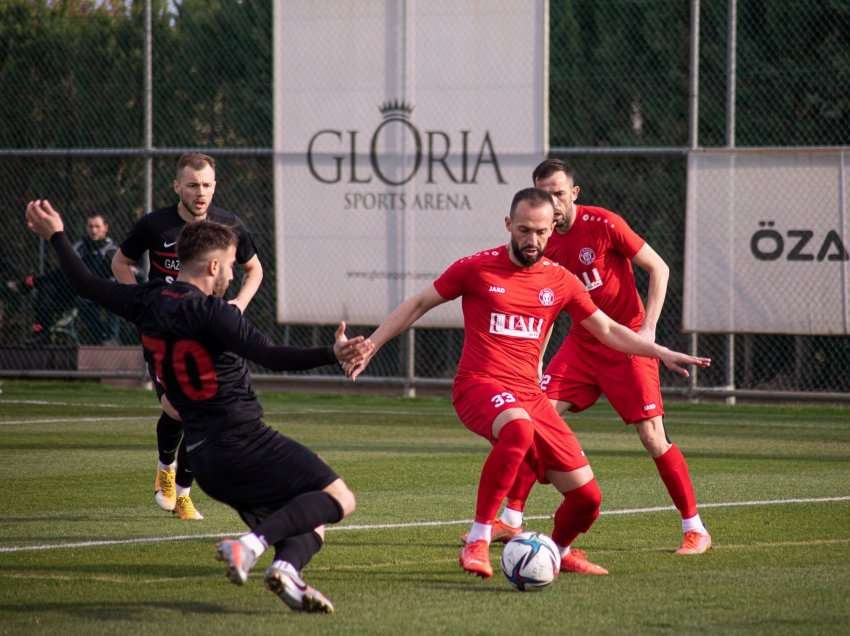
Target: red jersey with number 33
x,y
598,249
507,313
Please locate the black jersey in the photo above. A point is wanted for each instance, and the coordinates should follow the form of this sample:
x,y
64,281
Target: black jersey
x,y
196,344
157,232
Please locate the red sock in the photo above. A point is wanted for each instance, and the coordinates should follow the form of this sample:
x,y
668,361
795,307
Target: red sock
x,y
577,512
524,482
674,473
500,468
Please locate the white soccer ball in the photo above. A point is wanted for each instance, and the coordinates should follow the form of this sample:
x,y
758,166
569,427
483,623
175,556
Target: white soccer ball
x,y
530,561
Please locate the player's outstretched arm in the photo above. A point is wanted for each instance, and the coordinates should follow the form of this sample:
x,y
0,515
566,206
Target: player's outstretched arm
x,y
45,221
400,319
226,324
616,336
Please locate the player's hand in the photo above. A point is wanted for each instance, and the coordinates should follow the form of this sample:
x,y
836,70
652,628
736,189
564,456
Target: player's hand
x,y
355,369
43,219
677,362
350,351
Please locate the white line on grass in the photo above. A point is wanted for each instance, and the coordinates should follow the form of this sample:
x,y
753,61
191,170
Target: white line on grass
x,y
410,524
296,411
75,420
91,404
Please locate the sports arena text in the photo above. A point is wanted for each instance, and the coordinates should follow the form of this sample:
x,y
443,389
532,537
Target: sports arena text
x,y
402,201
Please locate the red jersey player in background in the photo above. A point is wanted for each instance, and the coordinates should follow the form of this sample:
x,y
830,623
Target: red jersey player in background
x,y
511,295
599,247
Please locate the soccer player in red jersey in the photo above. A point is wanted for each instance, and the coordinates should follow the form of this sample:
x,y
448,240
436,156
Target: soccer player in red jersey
x,y
511,295
599,247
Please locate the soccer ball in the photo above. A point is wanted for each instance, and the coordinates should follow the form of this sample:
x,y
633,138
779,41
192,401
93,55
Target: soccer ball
x,y
530,561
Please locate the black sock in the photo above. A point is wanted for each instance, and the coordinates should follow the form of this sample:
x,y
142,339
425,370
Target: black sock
x,y
298,550
169,432
184,475
301,515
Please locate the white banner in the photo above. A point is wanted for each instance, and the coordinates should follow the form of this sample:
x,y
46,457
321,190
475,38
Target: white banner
x,y
767,241
402,130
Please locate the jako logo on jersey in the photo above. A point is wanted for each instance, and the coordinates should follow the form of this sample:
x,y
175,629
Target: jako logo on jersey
x,y
649,407
586,255
516,326
546,297
496,290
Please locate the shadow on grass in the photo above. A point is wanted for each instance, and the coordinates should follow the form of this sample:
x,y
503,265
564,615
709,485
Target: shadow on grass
x,y
441,581
95,516
30,446
122,611
134,571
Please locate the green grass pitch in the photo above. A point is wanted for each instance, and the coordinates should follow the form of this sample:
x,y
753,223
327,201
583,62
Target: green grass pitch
x,y
84,549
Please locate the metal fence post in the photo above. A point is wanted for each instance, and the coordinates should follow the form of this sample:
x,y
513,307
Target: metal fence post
x,y
148,186
148,108
410,364
731,83
693,143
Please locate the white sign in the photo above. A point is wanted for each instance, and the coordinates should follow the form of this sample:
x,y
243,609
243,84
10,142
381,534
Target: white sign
x,y
402,131
768,242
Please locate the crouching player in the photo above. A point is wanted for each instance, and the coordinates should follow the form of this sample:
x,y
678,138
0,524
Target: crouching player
x,y
199,345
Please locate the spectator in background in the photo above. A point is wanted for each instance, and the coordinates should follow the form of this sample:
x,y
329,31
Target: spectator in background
x,y
56,307
96,250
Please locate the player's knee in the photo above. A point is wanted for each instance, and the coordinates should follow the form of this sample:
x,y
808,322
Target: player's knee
x,y
343,496
588,498
653,436
591,503
517,434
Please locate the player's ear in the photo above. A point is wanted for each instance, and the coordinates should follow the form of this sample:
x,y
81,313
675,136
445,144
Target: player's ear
x,y
576,190
213,266
176,185
508,223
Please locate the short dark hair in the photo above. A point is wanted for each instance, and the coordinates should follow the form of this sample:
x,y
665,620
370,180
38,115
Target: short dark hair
x,y
96,215
196,160
202,237
547,168
535,197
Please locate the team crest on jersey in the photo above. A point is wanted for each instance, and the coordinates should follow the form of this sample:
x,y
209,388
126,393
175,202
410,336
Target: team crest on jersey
x,y
586,255
546,297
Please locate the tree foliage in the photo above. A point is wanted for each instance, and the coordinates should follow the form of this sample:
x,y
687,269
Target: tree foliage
x,y
72,76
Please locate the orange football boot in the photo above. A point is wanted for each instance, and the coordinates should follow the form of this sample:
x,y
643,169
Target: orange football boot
x,y
576,561
475,559
694,543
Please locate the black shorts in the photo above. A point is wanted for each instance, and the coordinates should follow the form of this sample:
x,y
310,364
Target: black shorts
x,y
256,470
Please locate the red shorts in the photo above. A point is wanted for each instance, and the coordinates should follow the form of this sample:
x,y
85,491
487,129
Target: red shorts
x,y
555,447
580,371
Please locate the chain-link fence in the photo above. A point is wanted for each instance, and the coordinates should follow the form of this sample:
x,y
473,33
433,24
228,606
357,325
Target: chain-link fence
x,y
621,105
